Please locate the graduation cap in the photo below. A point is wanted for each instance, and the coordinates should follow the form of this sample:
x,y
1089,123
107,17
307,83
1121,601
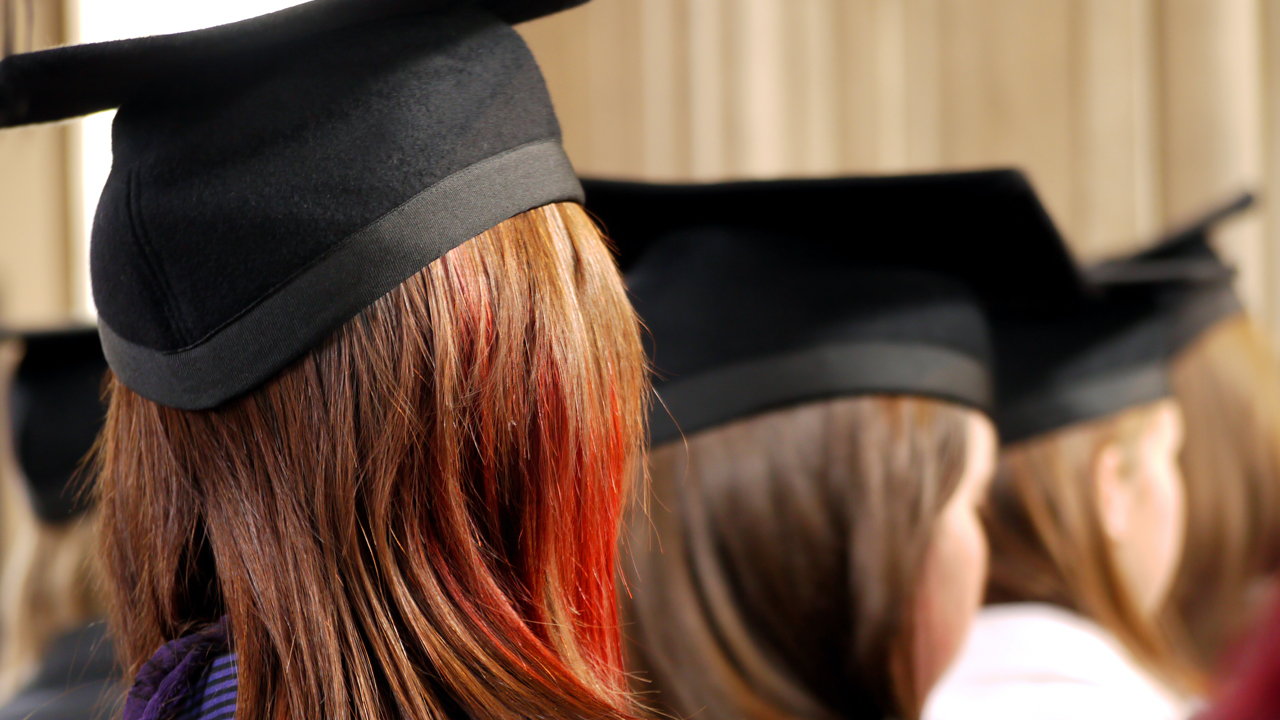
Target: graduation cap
x,y
1113,353
986,225
1195,286
274,177
759,295
1058,370
56,411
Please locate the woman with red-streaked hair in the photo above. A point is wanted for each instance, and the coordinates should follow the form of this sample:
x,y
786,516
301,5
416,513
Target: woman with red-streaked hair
x,y
376,388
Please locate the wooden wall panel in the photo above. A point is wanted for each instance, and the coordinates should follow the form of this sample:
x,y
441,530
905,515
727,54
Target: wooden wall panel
x,y
1211,112
1129,115
1115,132
37,198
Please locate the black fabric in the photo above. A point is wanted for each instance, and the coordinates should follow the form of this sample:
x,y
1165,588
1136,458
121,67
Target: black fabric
x,y
1053,372
741,322
987,226
56,412
763,294
346,279
749,387
83,79
254,153
1113,354
1196,287
78,680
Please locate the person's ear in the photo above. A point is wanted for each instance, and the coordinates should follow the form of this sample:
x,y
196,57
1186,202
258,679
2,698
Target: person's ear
x,y
1114,494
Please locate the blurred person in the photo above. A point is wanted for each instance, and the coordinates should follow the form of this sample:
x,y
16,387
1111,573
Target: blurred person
x,y
1085,519
376,391
1227,378
57,656
1252,691
821,445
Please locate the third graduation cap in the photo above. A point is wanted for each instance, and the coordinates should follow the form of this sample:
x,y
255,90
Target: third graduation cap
x,y
1194,286
274,177
760,295
1056,371
1113,352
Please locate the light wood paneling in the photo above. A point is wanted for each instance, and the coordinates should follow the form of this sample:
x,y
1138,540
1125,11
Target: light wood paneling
x,y
1212,120
36,192
1129,115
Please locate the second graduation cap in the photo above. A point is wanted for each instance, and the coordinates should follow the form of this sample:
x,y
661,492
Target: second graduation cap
x,y
760,295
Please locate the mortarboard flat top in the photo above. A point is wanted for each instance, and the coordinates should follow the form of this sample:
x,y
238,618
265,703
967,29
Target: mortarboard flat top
x,y
56,412
759,295
272,178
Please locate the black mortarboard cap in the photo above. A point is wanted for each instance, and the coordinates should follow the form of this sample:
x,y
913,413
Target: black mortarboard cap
x,y
758,295
274,177
1058,370
1196,288
984,225
56,412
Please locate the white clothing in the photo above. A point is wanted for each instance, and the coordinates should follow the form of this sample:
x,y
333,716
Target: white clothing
x,y
1032,661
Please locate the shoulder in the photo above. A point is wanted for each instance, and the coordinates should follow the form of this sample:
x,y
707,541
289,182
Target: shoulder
x,y
78,679
1046,699
1038,661
86,701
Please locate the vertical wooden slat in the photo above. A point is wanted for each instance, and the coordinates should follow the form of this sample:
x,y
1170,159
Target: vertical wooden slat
x,y
758,94
1211,110
664,95
35,200
1006,92
1271,187
1114,182
708,93
890,85
922,75
815,52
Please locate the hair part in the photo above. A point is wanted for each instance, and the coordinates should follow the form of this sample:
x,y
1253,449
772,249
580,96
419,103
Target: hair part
x,y
1048,544
776,572
431,498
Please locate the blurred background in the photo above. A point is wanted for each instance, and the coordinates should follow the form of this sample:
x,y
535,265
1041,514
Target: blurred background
x,y
1131,116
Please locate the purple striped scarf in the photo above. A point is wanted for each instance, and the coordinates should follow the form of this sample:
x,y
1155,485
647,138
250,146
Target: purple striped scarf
x,y
191,678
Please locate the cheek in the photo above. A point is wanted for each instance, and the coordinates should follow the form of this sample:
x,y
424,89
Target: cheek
x,y
951,590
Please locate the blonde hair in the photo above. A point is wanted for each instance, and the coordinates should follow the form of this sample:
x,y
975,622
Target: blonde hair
x,y
1047,538
1228,383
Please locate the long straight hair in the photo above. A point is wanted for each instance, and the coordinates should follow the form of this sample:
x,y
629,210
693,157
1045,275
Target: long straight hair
x,y
1228,383
1045,531
416,520
776,572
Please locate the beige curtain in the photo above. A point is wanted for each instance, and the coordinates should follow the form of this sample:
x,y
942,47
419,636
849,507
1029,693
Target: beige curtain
x,y
1130,115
